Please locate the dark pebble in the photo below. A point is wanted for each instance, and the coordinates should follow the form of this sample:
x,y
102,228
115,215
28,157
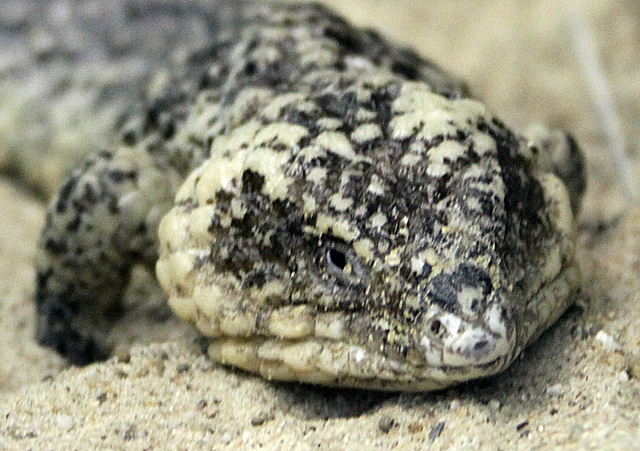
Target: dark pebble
x,y
435,431
386,423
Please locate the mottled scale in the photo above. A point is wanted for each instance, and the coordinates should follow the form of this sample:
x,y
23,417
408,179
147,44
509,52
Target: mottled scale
x,y
337,211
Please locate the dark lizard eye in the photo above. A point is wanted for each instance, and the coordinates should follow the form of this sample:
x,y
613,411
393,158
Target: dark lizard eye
x,y
336,259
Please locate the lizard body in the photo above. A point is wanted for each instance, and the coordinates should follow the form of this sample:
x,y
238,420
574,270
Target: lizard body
x,y
324,206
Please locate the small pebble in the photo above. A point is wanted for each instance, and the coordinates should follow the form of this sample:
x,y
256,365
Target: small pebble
x,y
64,422
554,390
494,405
435,431
122,356
130,433
182,368
260,419
623,376
386,423
607,341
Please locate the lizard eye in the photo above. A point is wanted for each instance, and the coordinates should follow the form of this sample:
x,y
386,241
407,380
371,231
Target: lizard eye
x,y
336,259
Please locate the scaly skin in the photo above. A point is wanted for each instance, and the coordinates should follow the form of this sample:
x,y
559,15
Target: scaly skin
x,y
344,213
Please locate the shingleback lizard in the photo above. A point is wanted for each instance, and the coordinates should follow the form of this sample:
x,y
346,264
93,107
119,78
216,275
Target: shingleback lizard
x,y
323,205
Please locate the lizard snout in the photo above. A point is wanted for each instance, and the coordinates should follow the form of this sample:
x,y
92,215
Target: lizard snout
x,y
476,346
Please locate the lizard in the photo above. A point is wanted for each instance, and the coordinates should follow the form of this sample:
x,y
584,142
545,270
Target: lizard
x,y
324,205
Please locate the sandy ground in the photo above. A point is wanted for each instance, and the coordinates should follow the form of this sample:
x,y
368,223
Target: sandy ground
x,y
576,388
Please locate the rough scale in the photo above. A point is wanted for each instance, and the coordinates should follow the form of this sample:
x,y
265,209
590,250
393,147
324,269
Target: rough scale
x,y
325,206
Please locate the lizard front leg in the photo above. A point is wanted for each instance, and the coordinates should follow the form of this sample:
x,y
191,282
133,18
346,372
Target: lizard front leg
x,y
103,221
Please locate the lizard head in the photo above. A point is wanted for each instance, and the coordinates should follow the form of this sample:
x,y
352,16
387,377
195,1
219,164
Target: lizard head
x,y
411,249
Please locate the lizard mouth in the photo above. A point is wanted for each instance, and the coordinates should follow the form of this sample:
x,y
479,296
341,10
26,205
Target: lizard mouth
x,y
327,360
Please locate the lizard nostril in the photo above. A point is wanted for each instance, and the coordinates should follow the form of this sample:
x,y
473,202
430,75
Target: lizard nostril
x,y
436,326
480,345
